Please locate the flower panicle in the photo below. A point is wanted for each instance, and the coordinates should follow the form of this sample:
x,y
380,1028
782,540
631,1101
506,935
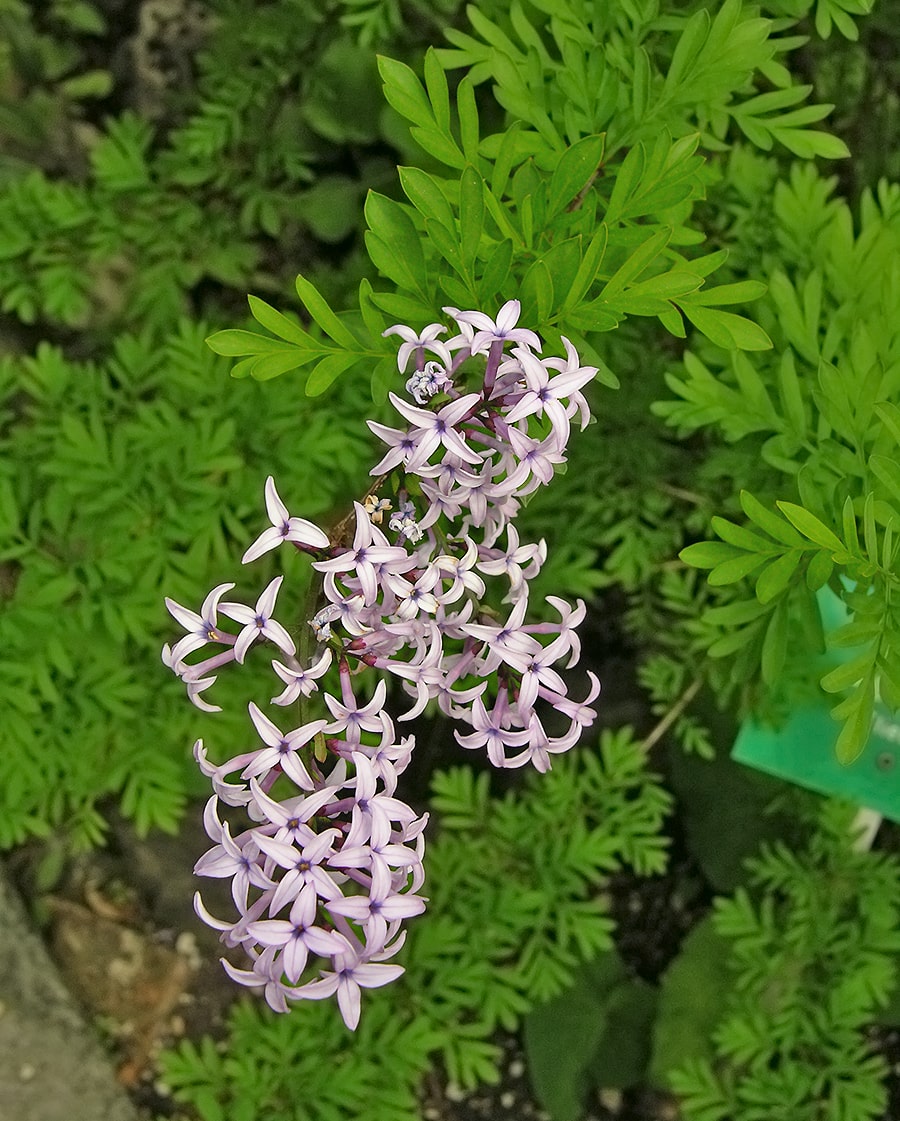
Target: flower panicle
x,y
330,865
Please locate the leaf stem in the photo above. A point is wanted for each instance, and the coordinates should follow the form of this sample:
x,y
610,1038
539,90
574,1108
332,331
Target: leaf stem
x,y
672,715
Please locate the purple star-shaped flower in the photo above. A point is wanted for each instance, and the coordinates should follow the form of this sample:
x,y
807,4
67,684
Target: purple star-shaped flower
x,y
297,935
433,429
299,681
490,733
284,528
258,622
352,972
236,857
380,906
417,344
351,718
201,628
282,749
545,394
369,554
489,331
303,867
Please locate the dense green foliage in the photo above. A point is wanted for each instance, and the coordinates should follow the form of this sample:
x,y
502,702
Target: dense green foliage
x,y
810,960
763,1015
640,175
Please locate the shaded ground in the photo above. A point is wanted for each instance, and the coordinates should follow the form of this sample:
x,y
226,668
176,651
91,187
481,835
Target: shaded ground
x,y
52,1066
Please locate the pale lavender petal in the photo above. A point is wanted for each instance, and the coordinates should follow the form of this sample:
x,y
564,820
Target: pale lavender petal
x,y
269,539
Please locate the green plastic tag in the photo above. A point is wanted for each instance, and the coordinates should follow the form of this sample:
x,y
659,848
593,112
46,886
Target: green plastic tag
x,y
802,749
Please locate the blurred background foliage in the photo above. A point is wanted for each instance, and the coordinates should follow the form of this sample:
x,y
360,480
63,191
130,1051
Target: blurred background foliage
x,y
160,160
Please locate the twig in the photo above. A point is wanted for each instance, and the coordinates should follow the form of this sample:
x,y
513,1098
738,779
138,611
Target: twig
x,y
672,715
685,495
340,528
582,194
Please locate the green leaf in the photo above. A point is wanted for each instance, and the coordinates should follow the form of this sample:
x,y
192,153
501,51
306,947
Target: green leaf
x,y
639,260
506,157
327,371
848,521
653,296
774,648
730,571
424,192
857,712
446,243
887,545
119,159
777,575
233,342
318,308
394,243
282,362
890,414
673,323
693,995
90,83
384,374
595,316
404,92
725,329
741,537
562,1037
741,293
870,529
244,368
80,16
819,570
707,554
401,307
847,674
737,640
562,261
734,614
496,271
791,394
438,94
277,323
468,119
589,267
628,178
471,213
375,322
809,144
575,168
768,521
537,289
887,470
439,145
690,44
810,526
640,90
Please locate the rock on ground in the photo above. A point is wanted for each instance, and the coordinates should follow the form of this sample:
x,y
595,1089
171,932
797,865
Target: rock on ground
x,y
52,1067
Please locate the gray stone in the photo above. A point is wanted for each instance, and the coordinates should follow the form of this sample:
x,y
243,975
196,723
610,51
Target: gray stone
x,y
52,1066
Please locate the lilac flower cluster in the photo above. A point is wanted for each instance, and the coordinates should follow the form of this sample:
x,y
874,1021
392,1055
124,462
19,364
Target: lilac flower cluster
x,y
330,867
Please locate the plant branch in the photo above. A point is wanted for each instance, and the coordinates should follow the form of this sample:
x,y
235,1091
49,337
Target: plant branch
x,y
672,715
